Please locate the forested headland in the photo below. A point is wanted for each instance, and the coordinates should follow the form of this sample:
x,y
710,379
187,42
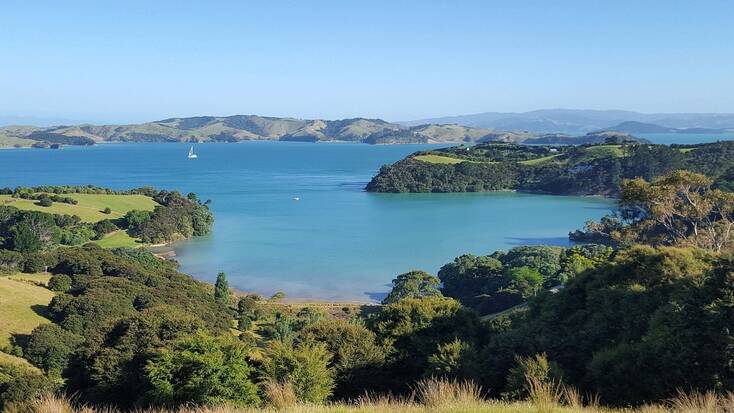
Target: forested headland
x,y
597,169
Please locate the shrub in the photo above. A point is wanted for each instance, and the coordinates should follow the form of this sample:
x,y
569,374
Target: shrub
x,y
10,261
21,385
304,366
201,370
34,262
107,210
103,228
50,346
60,283
45,202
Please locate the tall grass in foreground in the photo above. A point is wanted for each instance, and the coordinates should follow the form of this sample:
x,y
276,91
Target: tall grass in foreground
x,y
429,396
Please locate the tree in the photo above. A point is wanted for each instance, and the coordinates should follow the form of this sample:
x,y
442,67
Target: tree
x,y
455,359
413,284
60,283
20,385
357,361
201,370
49,347
45,201
221,289
525,280
305,367
680,209
25,239
10,261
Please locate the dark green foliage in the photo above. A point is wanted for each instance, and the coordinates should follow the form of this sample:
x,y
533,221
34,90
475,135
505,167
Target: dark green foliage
x,y
49,347
415,328
176,218
646,314
455,359
134,221
304,366
35,262
358,361
574,170
10,261
20,385
107,210
60,283
413,284
221,289
103,228
201,370
72,261
25,239
45,202
110,367
496,282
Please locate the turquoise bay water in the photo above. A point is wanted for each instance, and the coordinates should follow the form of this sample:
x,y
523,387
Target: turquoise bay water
x,y
338,242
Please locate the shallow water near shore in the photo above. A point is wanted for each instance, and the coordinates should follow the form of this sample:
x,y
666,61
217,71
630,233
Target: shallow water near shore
x,y
336,242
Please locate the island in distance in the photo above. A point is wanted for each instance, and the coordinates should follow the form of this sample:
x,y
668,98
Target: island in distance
x,y
250,127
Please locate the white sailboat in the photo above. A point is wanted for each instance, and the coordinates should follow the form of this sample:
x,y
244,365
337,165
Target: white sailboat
x,y
192,155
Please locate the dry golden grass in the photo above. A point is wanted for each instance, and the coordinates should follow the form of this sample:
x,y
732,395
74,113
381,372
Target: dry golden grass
x,y
281,395
444,396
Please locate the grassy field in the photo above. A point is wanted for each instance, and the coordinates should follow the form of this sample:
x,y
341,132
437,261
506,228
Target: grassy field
x,y
439,159
539,160
606,150
12,141
21,302
118,239
90,206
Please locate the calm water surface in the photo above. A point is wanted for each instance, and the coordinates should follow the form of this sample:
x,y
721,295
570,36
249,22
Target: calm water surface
x,y
337,242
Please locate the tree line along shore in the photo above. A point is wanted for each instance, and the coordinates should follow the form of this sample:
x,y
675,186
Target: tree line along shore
x,y
594,169
534,327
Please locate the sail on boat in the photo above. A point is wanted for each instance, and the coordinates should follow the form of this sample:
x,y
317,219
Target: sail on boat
x,y
192,155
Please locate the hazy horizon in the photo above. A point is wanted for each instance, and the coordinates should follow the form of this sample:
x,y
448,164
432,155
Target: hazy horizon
x,y
136,62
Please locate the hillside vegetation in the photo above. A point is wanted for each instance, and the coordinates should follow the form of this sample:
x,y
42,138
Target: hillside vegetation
x,y
565,170
37,218
624,325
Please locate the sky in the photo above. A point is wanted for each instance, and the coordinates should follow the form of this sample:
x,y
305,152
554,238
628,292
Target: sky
x,y
136,61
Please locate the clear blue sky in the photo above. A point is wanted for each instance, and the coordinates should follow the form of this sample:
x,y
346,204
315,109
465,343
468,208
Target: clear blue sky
x,y
128,61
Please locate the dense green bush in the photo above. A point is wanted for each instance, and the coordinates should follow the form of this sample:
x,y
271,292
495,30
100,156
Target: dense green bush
x,y
358,361
413,284
19,385
10,261
202,370
60,283
50,347
305,367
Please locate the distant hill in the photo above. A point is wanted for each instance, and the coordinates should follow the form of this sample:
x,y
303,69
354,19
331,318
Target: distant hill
x,y
582,121
642,127
591,138
251,127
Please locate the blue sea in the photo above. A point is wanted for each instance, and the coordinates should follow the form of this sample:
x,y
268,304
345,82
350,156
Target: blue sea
x,y
336,242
